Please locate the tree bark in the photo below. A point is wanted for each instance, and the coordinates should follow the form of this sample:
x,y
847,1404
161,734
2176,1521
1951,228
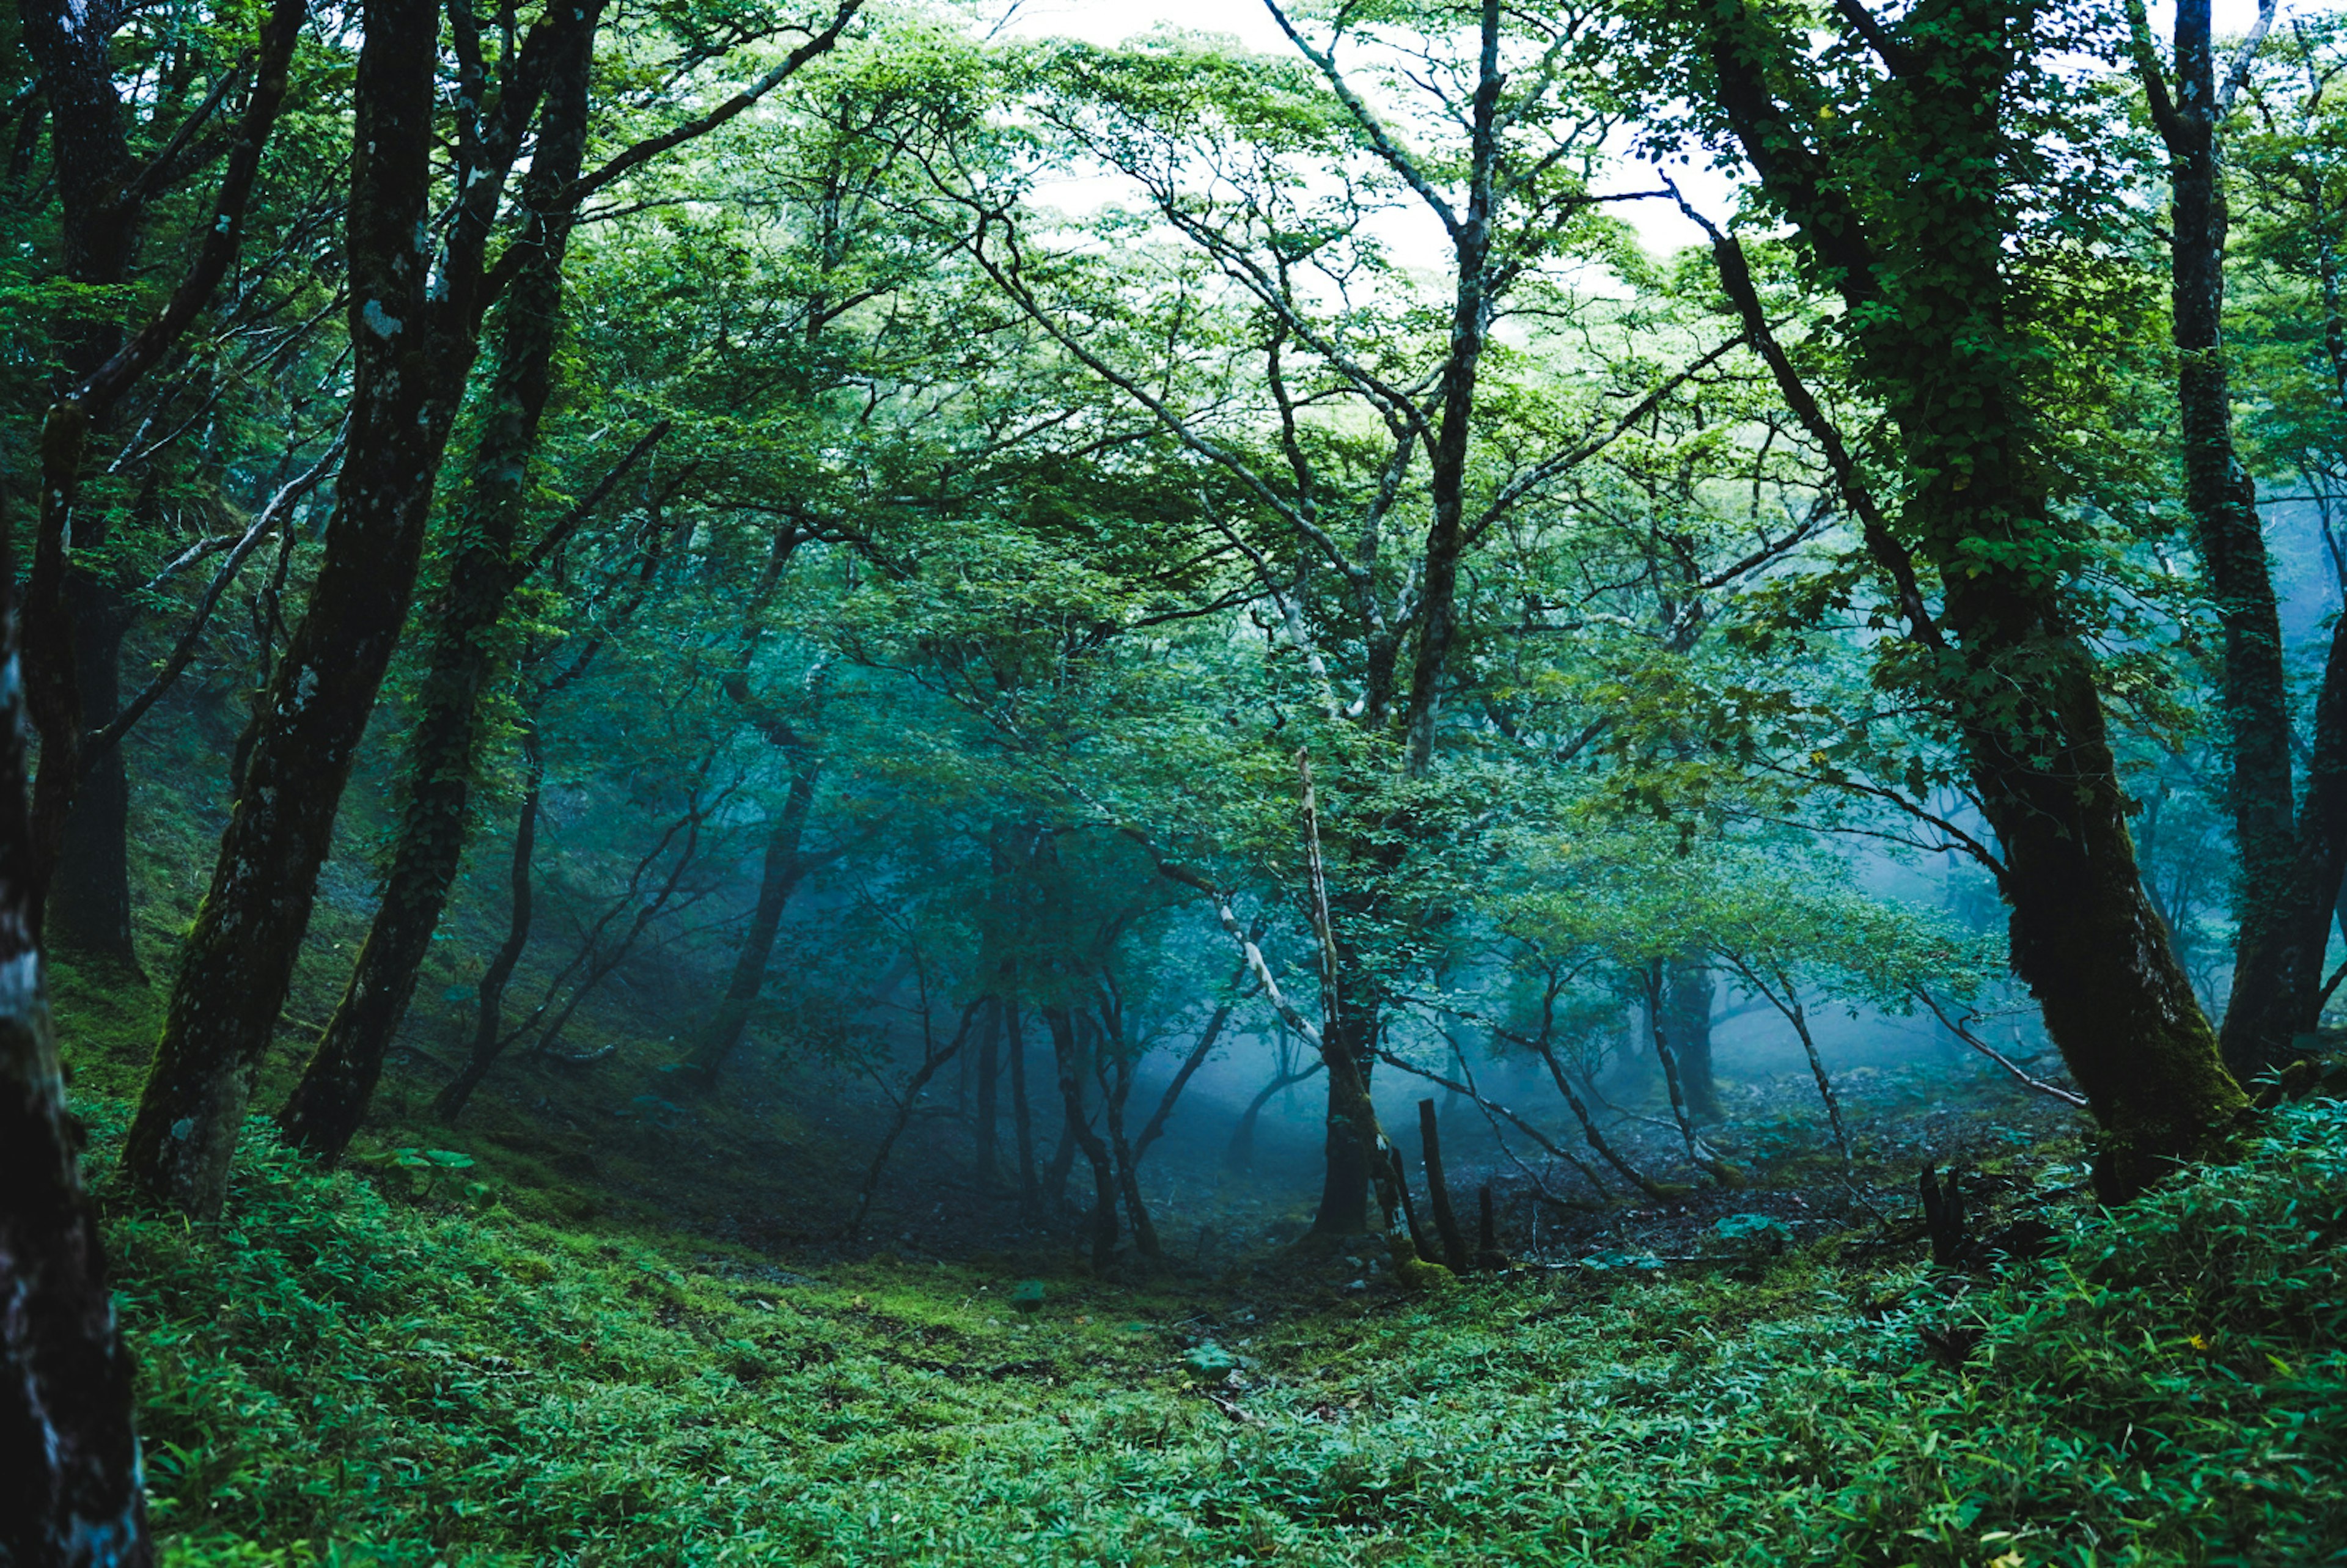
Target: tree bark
x,y
414,330
328,1103
66,1446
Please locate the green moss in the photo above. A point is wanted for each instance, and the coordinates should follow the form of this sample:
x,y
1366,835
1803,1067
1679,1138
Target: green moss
x,y
341,1376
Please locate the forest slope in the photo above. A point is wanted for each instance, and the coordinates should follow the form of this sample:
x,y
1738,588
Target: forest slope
x,y
351,1372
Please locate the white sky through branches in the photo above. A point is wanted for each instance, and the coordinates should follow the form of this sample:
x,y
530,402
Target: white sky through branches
x,y
1658,223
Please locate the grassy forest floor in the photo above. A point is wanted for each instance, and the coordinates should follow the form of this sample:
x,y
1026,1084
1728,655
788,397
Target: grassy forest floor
x,y
539,1358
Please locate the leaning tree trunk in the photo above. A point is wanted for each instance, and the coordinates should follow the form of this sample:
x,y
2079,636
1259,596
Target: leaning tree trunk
x,y
414,330
783,869
330,1100
67,1447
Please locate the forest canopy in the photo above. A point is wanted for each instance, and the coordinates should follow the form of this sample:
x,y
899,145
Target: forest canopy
x,y
812,628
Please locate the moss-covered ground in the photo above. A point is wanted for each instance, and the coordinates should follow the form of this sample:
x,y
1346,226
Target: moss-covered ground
x,y
394,1364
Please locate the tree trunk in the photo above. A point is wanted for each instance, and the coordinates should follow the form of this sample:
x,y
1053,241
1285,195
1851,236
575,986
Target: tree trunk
x,y
331,1099
2274,973
414,330
1080,1134
72,618
66,1446
1022,1114
490,1011
1686,1019
1471,320
1345,1185
1438,1189
779,877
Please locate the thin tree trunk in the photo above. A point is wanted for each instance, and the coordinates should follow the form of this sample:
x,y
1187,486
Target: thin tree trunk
x,y
1239,1155
490,1011
2274,971
1699,1153
920,1081
414,330
1065,1054
989,1068
1128,1167
783,869
331,1099
1438,1189
1687,995
1022,1114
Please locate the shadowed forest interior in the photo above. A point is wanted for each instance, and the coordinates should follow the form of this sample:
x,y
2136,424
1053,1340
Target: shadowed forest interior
x,y
1311,781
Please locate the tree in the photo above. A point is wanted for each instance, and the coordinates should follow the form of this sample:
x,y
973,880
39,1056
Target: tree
x,y
415,325
1909,203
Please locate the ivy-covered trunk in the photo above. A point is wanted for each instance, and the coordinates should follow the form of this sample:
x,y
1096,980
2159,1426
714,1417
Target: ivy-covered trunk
x,y
1903,209
331,1099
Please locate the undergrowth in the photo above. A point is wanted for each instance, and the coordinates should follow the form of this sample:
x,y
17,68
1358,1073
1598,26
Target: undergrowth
x,y
352,1373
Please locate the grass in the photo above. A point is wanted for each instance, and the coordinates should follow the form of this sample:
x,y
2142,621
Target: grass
x,y
352,1371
